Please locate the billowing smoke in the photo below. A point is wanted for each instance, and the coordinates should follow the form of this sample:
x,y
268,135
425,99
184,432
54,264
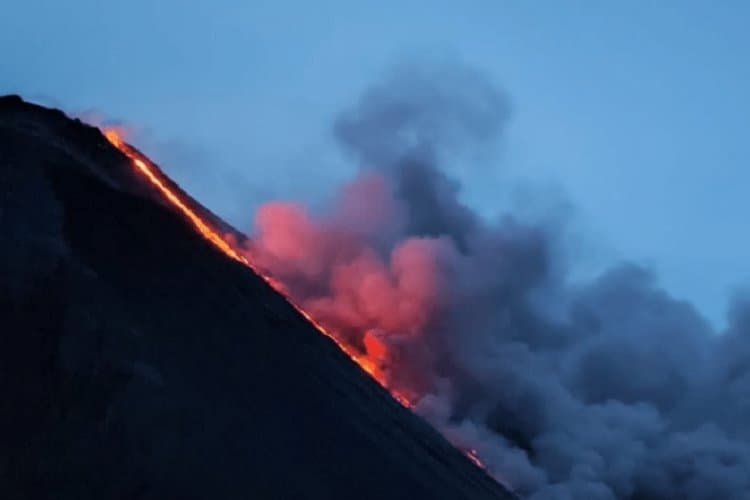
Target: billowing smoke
x,y
610,390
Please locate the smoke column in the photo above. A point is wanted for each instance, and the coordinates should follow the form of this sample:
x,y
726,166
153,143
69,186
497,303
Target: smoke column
x,y
610,390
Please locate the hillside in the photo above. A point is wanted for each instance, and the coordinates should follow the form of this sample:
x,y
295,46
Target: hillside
x,y
138,361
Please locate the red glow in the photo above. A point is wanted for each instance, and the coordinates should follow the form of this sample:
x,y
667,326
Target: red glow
x,y
368,294
472,454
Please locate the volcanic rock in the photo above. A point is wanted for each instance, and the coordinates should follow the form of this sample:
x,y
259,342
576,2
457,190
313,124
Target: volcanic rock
x,y
139,362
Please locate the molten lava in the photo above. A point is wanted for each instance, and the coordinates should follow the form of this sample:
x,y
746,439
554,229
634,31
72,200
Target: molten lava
x,y
151,173
474,457
370,361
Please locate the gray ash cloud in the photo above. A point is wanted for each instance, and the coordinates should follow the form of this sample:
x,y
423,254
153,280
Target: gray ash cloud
x,y
624,392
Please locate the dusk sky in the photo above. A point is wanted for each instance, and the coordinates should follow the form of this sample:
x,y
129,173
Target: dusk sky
x,y
635,115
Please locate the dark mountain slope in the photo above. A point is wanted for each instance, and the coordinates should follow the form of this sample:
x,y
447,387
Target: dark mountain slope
x,y
137,361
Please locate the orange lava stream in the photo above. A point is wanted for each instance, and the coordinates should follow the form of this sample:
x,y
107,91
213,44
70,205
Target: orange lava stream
x,y
474,457
150,173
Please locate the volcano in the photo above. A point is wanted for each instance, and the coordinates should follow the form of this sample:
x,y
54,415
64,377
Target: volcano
x,y
139,361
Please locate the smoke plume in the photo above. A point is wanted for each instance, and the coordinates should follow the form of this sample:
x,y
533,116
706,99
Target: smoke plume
x,y
610,390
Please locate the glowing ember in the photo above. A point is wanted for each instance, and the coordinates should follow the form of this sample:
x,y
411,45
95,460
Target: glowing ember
x,y
474,457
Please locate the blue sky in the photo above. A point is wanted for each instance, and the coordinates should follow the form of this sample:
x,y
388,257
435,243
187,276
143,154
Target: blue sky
x,y
637,113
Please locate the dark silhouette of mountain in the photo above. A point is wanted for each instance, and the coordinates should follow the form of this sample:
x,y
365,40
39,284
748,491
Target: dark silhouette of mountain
x,y
138,362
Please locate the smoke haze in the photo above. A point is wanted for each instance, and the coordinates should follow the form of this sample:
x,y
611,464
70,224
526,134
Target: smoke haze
x,y
608,390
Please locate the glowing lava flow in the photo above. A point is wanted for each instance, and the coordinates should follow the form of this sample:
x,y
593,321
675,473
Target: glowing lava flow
x,y
474,457
150,172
